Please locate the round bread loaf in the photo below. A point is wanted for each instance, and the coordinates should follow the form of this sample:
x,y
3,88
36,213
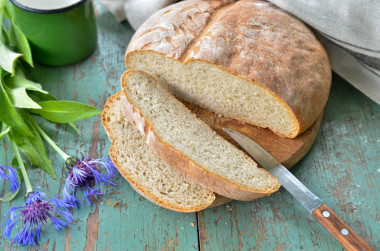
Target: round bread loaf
x,y
247,60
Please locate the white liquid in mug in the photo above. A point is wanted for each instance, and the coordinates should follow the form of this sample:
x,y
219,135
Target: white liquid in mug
x,y
47,4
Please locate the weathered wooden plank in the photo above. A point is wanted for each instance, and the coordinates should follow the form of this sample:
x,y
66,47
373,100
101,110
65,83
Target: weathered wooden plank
x,y
342,168
134,224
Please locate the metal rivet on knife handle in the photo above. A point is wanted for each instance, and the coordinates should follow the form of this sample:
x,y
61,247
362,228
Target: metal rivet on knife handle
x,y
326,214
344,231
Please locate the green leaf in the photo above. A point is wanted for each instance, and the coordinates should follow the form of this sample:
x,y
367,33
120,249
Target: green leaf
x,y
16,38
5,129
15,165
20,98
74,126
20,42
18,82
65,111
8,9
20,70
8,58
2,7
17,91
34,149
8,196
8,114
4,35
40,97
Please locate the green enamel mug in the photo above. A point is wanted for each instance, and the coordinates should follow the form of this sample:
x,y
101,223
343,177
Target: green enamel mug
x,y
60,32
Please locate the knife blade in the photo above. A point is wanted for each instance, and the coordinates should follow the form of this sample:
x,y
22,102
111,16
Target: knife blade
x,y
324,215
308,200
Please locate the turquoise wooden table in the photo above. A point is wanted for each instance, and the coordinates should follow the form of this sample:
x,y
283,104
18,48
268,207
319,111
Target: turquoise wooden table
x,y
343,168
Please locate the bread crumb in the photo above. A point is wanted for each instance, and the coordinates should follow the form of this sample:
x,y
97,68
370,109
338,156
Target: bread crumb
x,y
108,202
230,209
226,223
182,228
219,115
192,224
115,203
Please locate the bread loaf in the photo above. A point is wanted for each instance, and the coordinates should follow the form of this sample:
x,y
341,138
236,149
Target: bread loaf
x,y
147,174
247,60
188,145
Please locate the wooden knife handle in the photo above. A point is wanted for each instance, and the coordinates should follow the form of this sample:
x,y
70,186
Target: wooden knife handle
x,y
337,228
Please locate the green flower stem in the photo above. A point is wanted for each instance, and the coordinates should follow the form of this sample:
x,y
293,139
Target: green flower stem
x,y
49,140
29,188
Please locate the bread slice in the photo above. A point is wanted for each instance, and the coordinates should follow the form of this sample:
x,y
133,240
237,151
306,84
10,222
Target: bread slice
x,y
188,145
248,60
146,173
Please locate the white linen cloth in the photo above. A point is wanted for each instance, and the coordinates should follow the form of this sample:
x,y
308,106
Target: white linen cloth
x,y
349,30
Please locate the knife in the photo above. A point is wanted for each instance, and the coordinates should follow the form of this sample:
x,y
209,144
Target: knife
x,y
323,214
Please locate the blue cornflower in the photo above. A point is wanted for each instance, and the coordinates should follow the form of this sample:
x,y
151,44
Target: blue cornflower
x,y
85,175
34,214
12,177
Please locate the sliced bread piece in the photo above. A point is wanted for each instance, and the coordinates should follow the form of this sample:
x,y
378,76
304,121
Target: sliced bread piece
x,y
147,174
188,145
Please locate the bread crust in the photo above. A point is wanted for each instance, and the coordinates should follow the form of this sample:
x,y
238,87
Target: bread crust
x,y
139,188
253,40
181,162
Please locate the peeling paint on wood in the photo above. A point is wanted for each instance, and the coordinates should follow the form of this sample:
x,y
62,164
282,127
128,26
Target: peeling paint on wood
x,y
342,168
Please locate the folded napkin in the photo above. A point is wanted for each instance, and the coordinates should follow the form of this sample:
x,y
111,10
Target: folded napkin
x,y
135,11
349,30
